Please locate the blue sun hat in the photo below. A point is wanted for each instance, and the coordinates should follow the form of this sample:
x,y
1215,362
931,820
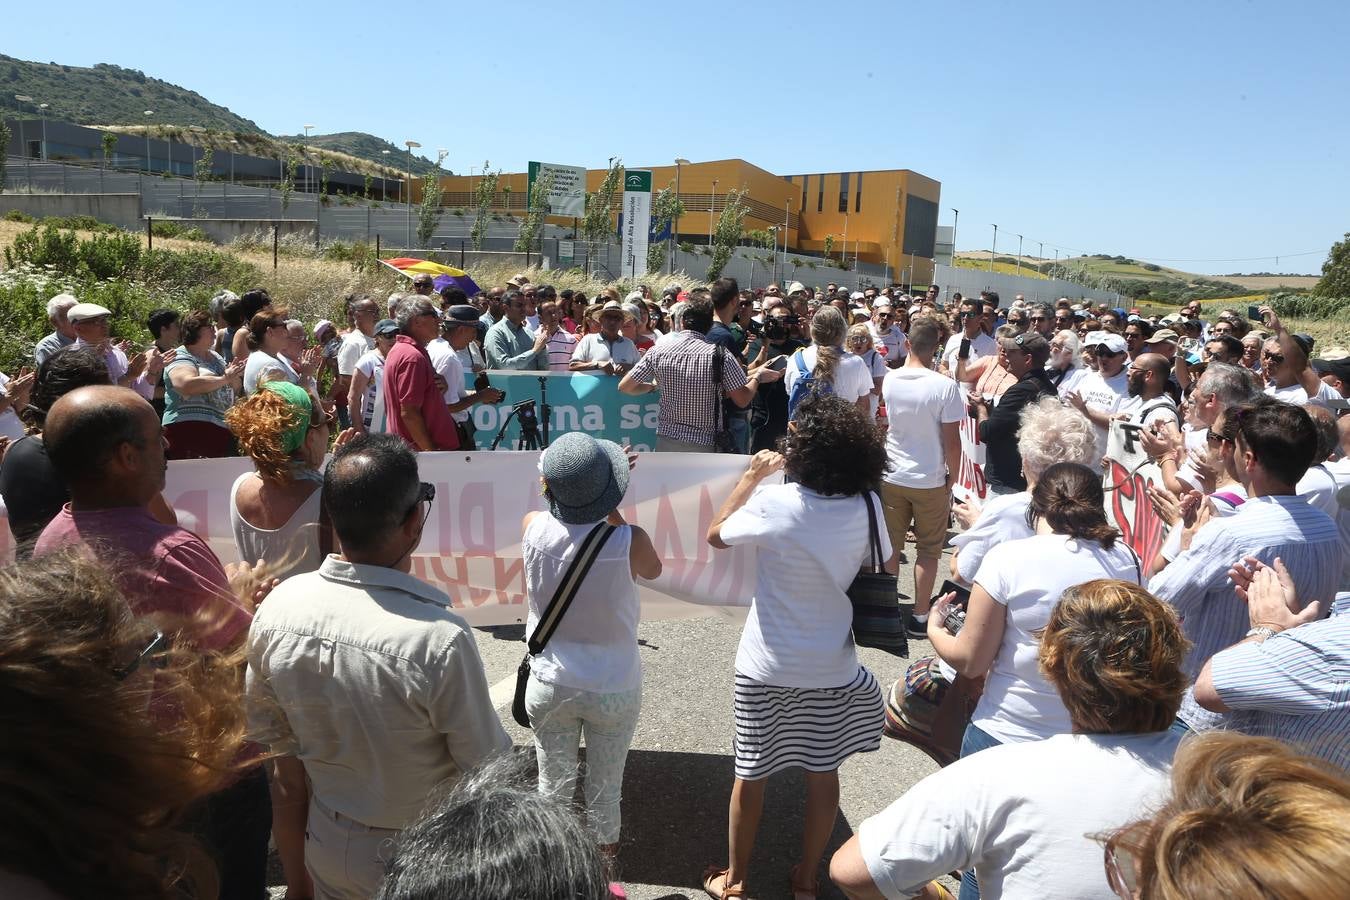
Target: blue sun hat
x,y
586,478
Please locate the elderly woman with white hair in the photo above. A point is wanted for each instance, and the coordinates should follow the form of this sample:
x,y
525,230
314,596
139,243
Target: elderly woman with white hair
x,y
586,680
1050,433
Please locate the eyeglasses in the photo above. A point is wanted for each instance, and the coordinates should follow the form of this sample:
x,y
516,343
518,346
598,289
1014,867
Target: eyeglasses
x,y
1038,318
1121,873
1276,358
426,493
158,644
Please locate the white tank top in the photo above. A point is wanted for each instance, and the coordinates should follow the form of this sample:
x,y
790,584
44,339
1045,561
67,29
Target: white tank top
x,y
292,549
595,646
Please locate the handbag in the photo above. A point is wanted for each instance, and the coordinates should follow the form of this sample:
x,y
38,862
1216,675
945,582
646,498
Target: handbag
x,y
723,439
927,711
878,621
553,613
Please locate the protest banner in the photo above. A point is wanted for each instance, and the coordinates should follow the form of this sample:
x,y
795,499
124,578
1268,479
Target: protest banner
x,y
470,546
637,221
578,401
567,194
1127,473
972,459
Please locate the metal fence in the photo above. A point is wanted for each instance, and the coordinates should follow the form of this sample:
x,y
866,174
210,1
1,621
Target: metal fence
x,y
1044,290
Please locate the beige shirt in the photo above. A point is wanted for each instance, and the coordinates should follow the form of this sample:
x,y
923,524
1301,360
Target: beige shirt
x,y
365,675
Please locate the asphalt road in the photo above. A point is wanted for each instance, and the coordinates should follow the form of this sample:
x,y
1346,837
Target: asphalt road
x,y
679,772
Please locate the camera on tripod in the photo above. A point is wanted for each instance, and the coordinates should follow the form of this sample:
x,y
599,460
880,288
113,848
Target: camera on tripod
x,y
524,413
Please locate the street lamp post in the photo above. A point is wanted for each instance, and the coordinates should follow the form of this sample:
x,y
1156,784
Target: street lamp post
x,y
309,169
23,144
675,226
42,108
787,216
1019,254
993,249
956,218
148,112
410,145
712,205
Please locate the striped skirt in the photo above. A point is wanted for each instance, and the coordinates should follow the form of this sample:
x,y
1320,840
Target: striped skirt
x,y
815,728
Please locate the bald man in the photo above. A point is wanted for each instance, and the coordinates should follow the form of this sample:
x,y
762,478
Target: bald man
x,y
107,444
1149,402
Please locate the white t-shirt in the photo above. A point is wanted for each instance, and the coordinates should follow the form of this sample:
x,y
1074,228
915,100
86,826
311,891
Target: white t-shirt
x,y
918,403
1160,409
371,365
1296,395
1022,814
894,342
354,345
852,379
447,365
809,547
263,367
10,424
1028,577
594,348
876,367
1106,395
1318,486
1003,518
1072,379
981,345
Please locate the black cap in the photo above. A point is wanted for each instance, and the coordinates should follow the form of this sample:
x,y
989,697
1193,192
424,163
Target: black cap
x,y
462,314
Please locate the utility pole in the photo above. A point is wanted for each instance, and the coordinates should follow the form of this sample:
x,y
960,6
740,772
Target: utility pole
x,y
993,248
410,145
1019,255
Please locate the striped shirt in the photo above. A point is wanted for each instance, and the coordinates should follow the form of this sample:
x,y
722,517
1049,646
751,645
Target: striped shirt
x,y
682,364
1198,588
1294,686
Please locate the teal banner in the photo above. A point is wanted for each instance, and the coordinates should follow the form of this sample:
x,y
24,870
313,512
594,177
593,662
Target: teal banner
x,y
578,401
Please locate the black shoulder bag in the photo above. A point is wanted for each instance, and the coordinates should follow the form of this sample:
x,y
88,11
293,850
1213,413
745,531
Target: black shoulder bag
x,y
723,440
877,618
553,613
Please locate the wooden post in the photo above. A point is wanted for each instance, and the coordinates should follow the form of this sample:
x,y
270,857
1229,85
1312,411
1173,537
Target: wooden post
x,y
275,242
149,234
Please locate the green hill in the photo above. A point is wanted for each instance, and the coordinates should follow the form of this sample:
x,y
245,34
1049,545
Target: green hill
x,y
114,97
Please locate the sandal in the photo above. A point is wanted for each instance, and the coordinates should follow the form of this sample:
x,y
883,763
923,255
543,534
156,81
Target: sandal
x,y
799,890
711,874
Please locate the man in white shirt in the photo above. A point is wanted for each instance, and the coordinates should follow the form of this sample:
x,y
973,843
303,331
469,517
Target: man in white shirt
x,y
355,765
980,344
923,443
561,342
459,326
1099,395
889,340
608,351
1289,377
93,327
363,315
1149,403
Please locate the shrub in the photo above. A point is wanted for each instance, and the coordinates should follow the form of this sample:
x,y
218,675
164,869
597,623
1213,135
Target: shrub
x,y
18,215
1308,306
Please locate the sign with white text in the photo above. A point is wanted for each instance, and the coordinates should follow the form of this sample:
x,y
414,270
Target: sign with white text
x,y
567,195
637,221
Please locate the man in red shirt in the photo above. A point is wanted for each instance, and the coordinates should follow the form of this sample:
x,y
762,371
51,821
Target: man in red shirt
x,y
414,404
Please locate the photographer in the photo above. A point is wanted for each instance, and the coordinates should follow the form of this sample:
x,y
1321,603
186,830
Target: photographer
x,y
768,417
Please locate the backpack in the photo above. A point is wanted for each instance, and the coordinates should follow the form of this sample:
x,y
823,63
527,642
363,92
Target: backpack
x,y
806,385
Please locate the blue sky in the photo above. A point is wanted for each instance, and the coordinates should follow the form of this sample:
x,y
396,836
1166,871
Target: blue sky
x,y
1200,132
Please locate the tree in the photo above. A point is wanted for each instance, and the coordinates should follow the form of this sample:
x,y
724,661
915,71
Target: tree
x,y
533,222
429,213
368,181
109,145
598,221
287,186
829,244
483,195
666,208
201,169
728,232
1335,280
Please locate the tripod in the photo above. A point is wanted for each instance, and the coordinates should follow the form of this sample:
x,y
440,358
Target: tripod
x,y
529,422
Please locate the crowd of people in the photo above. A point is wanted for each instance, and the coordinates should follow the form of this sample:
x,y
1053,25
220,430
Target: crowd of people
x,y
1166,727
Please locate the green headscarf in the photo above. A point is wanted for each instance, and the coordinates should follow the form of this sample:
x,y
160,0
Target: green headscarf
x,y
298,399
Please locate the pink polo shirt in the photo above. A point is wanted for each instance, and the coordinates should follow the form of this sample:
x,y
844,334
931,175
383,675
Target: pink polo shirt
x,y
409,380
161,568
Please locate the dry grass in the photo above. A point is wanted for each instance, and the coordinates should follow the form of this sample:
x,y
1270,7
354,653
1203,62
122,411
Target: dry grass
x,y
1272,282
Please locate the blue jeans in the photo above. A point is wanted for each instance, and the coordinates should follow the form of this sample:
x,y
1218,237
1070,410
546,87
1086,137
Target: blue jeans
x,y
1180,728
973,741
739,426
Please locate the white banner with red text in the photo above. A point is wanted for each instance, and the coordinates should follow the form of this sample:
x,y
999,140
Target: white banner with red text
x,y
471,544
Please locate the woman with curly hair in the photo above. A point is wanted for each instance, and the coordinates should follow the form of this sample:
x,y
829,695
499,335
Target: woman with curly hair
x,y
199,387
1024,815
274,510
802,698
96,780
1249,818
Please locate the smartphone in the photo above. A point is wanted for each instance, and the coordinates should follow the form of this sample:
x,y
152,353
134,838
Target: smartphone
x,y
1254,313
965,348
962,494
951,587
778,363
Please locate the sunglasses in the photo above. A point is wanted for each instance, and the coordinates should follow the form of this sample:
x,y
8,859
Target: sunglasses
x,y
426,493
1276,358
158,644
